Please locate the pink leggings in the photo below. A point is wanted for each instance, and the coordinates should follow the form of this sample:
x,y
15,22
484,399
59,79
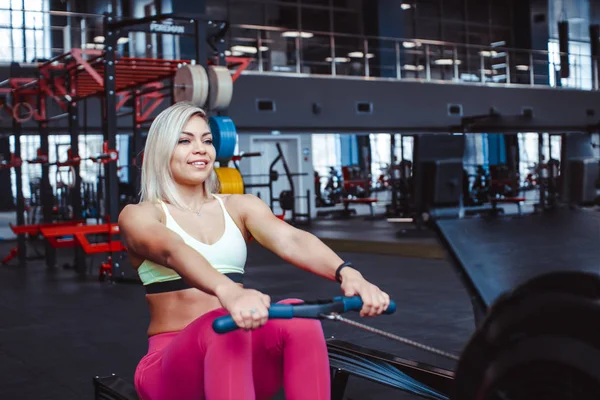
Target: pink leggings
x,y
197,363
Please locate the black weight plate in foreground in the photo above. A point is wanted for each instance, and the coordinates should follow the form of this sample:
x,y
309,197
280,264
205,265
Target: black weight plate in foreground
x,y
538,342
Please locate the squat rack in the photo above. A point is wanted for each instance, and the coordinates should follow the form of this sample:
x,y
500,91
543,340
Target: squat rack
x,y
84,73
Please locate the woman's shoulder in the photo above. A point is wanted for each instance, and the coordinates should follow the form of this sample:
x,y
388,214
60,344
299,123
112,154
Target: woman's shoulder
x,y
241,202
237,198
146,209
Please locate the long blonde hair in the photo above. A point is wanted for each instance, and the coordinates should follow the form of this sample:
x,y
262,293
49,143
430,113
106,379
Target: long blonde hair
x,y
157,179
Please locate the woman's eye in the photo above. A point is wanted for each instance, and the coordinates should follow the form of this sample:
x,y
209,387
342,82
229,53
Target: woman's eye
x,y
208,141
183,141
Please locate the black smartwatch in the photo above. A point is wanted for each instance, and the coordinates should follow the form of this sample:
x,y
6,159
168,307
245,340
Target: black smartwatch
x,y
339,269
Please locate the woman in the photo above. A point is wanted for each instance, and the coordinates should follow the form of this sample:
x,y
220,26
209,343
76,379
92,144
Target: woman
x,y
189,246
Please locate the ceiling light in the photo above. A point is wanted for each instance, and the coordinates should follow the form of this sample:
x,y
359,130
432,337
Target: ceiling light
x,y
99,39
522,67
122,40
410,67
360,54
338,59
295,34
443,61
485,53
446,61
405,6
409,45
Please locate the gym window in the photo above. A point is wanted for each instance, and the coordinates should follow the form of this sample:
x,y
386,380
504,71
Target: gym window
x,y
326,153
380,154
580,76
26,26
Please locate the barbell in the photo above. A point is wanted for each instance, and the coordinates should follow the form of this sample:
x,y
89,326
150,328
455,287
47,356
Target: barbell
x,y
211,89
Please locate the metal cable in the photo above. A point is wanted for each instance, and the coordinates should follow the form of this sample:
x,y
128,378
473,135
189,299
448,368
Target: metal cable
x,y
337,317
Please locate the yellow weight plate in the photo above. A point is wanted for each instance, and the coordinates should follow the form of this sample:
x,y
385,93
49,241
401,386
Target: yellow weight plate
x,y
231,180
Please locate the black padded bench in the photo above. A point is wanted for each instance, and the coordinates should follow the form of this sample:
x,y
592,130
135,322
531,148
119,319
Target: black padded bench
x,y
493,255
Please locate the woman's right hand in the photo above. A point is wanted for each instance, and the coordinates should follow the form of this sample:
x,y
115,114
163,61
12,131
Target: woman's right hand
x,y
249,308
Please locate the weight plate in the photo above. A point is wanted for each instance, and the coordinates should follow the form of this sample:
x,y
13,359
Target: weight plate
x,y
221,88
191,84
224,137
536,343
231,180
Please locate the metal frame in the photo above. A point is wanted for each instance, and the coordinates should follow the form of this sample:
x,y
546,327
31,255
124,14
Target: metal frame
x,y
439,379
84,73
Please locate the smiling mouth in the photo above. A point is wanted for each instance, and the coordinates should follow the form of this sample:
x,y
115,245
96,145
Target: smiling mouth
x,y
199,164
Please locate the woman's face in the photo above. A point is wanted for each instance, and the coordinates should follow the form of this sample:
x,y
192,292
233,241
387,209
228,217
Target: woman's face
x,y
193,158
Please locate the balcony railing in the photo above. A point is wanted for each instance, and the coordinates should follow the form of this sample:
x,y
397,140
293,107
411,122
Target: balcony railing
x,y
277,50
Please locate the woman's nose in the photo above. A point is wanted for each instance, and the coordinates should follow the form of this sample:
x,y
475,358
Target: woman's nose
x,y
200,148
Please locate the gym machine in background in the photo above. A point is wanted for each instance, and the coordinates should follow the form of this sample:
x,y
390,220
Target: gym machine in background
x,y
436,183
141,82
432,182
579,171
286,198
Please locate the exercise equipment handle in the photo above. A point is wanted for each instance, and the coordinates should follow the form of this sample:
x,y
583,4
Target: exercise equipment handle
x,y
314,310
355,303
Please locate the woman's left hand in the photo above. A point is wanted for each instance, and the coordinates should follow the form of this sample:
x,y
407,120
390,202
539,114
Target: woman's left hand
x,y
375,301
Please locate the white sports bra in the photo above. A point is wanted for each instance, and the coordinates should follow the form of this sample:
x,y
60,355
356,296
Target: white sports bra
x,y
227,255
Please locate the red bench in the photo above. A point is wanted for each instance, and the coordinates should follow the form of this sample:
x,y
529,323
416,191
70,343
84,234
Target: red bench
x,y
80,232
36,229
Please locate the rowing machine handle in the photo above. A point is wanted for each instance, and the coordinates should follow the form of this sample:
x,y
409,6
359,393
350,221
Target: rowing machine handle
x,y
355,303
340,304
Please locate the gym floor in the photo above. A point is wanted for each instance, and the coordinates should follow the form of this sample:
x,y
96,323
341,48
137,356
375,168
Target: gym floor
x,y
57,332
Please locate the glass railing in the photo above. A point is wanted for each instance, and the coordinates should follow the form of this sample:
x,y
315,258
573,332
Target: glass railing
x,y
280,50
277,50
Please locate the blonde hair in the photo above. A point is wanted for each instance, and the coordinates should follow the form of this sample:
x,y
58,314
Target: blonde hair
x,y
157,179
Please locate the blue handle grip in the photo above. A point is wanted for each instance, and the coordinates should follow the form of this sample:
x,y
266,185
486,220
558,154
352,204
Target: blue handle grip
x,y
286,311
227,324
224,324
355,303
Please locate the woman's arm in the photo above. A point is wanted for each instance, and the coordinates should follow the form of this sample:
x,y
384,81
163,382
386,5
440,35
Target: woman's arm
x,y
305,250
293,245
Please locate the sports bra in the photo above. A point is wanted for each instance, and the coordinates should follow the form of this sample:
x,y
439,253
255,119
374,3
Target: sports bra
x,y
227,255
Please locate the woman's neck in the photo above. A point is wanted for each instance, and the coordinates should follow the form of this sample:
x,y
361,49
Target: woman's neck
x,y
193,197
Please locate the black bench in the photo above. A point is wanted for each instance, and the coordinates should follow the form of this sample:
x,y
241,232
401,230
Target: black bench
x,y
494,255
